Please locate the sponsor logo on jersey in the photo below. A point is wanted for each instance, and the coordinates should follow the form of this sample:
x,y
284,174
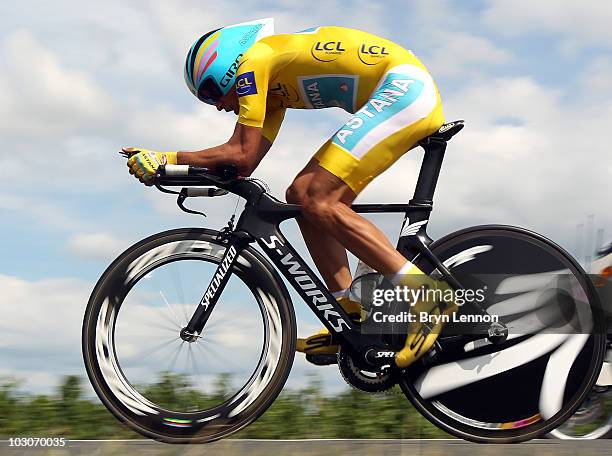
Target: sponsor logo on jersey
x,y
327,91
231,72
285,91
314,95
245,84
372,54
327,51
393,95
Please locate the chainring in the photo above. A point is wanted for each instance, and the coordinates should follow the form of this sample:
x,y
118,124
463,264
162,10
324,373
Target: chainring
x,y
368,381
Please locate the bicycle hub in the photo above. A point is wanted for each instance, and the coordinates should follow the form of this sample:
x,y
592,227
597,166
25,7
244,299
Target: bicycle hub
x,y
188,336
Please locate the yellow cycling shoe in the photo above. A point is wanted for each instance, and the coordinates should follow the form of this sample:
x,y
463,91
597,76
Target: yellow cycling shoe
x,y
423,333
321,342
318,344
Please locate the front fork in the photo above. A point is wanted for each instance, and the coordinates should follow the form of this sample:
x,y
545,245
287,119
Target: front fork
x,y
198,320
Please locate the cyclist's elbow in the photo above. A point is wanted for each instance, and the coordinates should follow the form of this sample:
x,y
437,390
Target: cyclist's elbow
x,y
245,171
244,161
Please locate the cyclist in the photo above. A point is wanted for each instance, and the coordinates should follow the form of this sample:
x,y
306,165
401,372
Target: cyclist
x,y
249,70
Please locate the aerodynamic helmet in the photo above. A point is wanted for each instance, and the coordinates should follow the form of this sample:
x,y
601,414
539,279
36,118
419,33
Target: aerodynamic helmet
x,y
212,62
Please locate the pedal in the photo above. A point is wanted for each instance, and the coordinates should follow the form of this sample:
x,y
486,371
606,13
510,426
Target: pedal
x,y
431,356
322,360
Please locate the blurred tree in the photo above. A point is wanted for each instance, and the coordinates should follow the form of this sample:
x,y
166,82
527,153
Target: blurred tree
x,y
303,413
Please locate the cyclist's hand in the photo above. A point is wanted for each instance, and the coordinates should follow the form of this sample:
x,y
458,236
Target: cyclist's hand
x,y
144,163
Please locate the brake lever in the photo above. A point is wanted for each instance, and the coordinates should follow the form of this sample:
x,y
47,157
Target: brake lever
x,y
165,190
182,196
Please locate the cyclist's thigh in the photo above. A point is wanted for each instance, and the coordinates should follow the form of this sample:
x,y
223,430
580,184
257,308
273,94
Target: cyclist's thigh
x,y
306,176
298,188
404,109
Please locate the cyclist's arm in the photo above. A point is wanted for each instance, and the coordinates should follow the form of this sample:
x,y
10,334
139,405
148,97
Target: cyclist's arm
x,y
269,131
244,149
258,123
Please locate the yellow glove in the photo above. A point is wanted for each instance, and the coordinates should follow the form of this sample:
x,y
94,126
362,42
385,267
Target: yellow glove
x,y
144,163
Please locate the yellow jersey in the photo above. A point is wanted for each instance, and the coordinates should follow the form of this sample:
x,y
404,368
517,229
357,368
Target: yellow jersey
x,y
317,68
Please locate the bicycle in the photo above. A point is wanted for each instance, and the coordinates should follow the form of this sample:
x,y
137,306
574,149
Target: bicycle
x,y
593,419
500,384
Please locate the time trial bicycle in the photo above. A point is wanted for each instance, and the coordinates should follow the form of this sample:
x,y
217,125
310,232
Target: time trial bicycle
x,y
187,306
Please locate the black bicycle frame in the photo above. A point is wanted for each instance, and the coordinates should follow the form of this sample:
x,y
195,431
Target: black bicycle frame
x,y
260,222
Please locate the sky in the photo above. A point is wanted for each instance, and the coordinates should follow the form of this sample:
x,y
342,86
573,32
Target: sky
x,y
79,81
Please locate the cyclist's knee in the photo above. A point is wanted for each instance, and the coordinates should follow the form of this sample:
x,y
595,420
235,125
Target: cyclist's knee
x,y
295,194
317,210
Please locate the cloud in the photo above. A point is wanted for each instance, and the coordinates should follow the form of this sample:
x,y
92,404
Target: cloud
x,y
578,24
162,127
527,156
46,212
458,52
183,21
96,246
40,334
531,153
596,79
41,96
40,326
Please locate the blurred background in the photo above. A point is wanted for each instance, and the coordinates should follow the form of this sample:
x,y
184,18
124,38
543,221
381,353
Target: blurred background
x,y
78,81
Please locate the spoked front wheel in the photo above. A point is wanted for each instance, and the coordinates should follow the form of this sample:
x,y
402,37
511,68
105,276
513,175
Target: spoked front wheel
x,y
181,389
502,390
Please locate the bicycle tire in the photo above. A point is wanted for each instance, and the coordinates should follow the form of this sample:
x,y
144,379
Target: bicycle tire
x,y
466,427
592,421
602,432
139,413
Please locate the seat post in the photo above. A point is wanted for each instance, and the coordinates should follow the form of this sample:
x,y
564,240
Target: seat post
x,y
430,170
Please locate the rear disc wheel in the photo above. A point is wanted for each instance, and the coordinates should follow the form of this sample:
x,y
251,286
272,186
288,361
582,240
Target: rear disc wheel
x,y
532,382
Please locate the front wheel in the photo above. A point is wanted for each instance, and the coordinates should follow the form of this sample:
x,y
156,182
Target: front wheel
x,y
203,388
511,389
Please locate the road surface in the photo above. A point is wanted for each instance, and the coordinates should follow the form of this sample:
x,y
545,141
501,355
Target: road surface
x,y
318,447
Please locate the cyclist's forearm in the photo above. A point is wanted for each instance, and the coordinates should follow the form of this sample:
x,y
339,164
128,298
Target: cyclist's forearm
x,y
215,156
245,149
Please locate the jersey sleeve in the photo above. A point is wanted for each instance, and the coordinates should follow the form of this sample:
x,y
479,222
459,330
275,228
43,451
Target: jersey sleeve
x,y
272,123
252,85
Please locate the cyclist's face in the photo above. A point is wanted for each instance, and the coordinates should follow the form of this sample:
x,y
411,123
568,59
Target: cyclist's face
x,y
229,102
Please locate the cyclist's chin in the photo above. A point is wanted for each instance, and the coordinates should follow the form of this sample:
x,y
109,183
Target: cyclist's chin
x,y
235,110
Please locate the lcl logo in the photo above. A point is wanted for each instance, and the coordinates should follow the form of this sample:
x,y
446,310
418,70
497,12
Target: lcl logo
x,y
329,46
243,83
327,51
372,54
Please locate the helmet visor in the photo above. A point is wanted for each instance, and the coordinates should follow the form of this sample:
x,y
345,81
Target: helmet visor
x,y
209,92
